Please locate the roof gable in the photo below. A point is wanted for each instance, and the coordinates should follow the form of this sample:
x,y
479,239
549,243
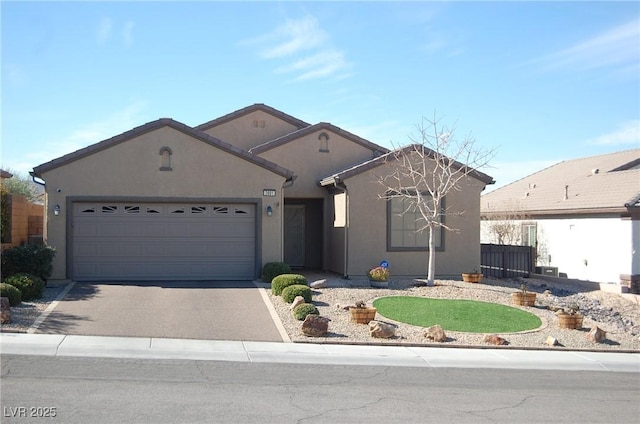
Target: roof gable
x,y
250,109
392,156
152,126
314,128
603,183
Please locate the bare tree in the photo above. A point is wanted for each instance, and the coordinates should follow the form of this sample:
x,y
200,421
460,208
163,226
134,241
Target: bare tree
x,y
505,226
426,171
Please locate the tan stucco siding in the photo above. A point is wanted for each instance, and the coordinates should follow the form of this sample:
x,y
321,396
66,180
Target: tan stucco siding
x,y
310,165
251,130
368,231
132,169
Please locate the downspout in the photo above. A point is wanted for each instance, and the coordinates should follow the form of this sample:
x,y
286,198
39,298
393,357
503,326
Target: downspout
x,y
344,189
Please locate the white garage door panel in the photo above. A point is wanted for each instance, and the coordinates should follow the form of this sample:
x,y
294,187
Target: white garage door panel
x,y
138,241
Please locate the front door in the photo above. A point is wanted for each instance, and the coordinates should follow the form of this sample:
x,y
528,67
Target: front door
x,y
294,235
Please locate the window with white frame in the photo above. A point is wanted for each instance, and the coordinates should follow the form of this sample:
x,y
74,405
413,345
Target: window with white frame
x,y
529,234
404,222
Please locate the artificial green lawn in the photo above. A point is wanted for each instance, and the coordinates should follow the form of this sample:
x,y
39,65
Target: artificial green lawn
x,y
468,316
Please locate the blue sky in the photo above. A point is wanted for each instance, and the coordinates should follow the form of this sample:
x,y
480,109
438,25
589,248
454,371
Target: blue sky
x,y
539,81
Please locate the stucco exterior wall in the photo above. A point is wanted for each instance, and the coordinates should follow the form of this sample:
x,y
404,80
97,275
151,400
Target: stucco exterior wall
x,y
251,130
304,158
132,169
368,231
594,249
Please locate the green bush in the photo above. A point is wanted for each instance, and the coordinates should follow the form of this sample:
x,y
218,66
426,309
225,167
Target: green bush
x,y
282,281
29,258
301,311
273,269
29,285
14,295
291,292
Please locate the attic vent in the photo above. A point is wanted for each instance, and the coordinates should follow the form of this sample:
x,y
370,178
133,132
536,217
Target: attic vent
x,y
595,171
566,192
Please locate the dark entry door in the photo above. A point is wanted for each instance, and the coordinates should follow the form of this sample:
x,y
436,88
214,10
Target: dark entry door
x,y
294,235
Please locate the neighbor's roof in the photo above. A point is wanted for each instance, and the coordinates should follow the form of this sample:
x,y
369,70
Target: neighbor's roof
x,y
249,109
598,184
272,144
154,125
5,174
389,156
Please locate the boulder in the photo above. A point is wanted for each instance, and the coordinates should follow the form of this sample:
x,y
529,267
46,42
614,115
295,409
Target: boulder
x,y
435,333
318,284
494,339
552,341
597,335
381,330
315,326
297,301
5,310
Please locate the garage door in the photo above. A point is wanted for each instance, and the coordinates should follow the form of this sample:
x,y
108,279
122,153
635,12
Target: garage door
x,y
171,241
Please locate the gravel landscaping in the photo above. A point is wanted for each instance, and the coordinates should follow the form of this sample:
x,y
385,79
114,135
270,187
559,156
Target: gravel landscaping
x,y
618,316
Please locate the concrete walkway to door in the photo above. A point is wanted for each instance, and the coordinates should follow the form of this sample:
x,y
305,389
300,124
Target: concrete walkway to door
x,y
184,310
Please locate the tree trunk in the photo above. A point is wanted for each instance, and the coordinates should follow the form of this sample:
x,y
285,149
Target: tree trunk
x,y
432,258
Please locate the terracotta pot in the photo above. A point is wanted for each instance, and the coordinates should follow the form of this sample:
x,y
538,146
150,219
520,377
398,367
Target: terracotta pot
x,y
472,277
573,322
523,299
362,315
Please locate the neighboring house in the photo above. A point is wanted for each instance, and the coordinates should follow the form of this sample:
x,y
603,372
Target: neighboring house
x,y
22,221
218,201
582,214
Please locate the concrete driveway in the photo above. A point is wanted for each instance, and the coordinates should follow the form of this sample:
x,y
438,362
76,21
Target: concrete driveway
x,y
187,310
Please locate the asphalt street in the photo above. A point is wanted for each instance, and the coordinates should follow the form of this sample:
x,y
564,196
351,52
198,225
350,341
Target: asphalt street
x,y
107,390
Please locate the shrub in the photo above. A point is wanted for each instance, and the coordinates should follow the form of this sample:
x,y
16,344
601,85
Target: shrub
x,y
301,311
29,258
273,269
14,295
282,281
291,292
30,286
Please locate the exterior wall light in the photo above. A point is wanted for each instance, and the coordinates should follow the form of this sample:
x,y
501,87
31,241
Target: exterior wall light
x,y
269,210
56,210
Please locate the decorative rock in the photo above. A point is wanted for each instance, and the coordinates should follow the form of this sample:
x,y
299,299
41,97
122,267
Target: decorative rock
x,y
319,284
597,335
381,330
552,341
547,292
297,301
5,309
435,333
315,326
494,339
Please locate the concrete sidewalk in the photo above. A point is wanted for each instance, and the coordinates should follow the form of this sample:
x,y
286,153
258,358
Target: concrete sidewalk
x,y
302,353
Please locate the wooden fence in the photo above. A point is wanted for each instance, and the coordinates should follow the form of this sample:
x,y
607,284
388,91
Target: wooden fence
x,y
505,261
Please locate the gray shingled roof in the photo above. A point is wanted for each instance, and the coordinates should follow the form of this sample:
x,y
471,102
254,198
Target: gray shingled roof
x,y
249,109
389,156
596,184
154,125
5,174
311,129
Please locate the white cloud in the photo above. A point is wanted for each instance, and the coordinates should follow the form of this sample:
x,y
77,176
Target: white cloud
x,y
127,33
298,35
104,30
85,135
295,37
628,133
617,47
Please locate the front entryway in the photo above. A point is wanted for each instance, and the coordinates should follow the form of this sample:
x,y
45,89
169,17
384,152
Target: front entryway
x,y
303,230
115,241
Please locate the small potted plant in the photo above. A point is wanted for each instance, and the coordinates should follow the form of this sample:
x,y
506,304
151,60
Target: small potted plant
x,y
472,277
524,297
379,277
570,317
361,313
